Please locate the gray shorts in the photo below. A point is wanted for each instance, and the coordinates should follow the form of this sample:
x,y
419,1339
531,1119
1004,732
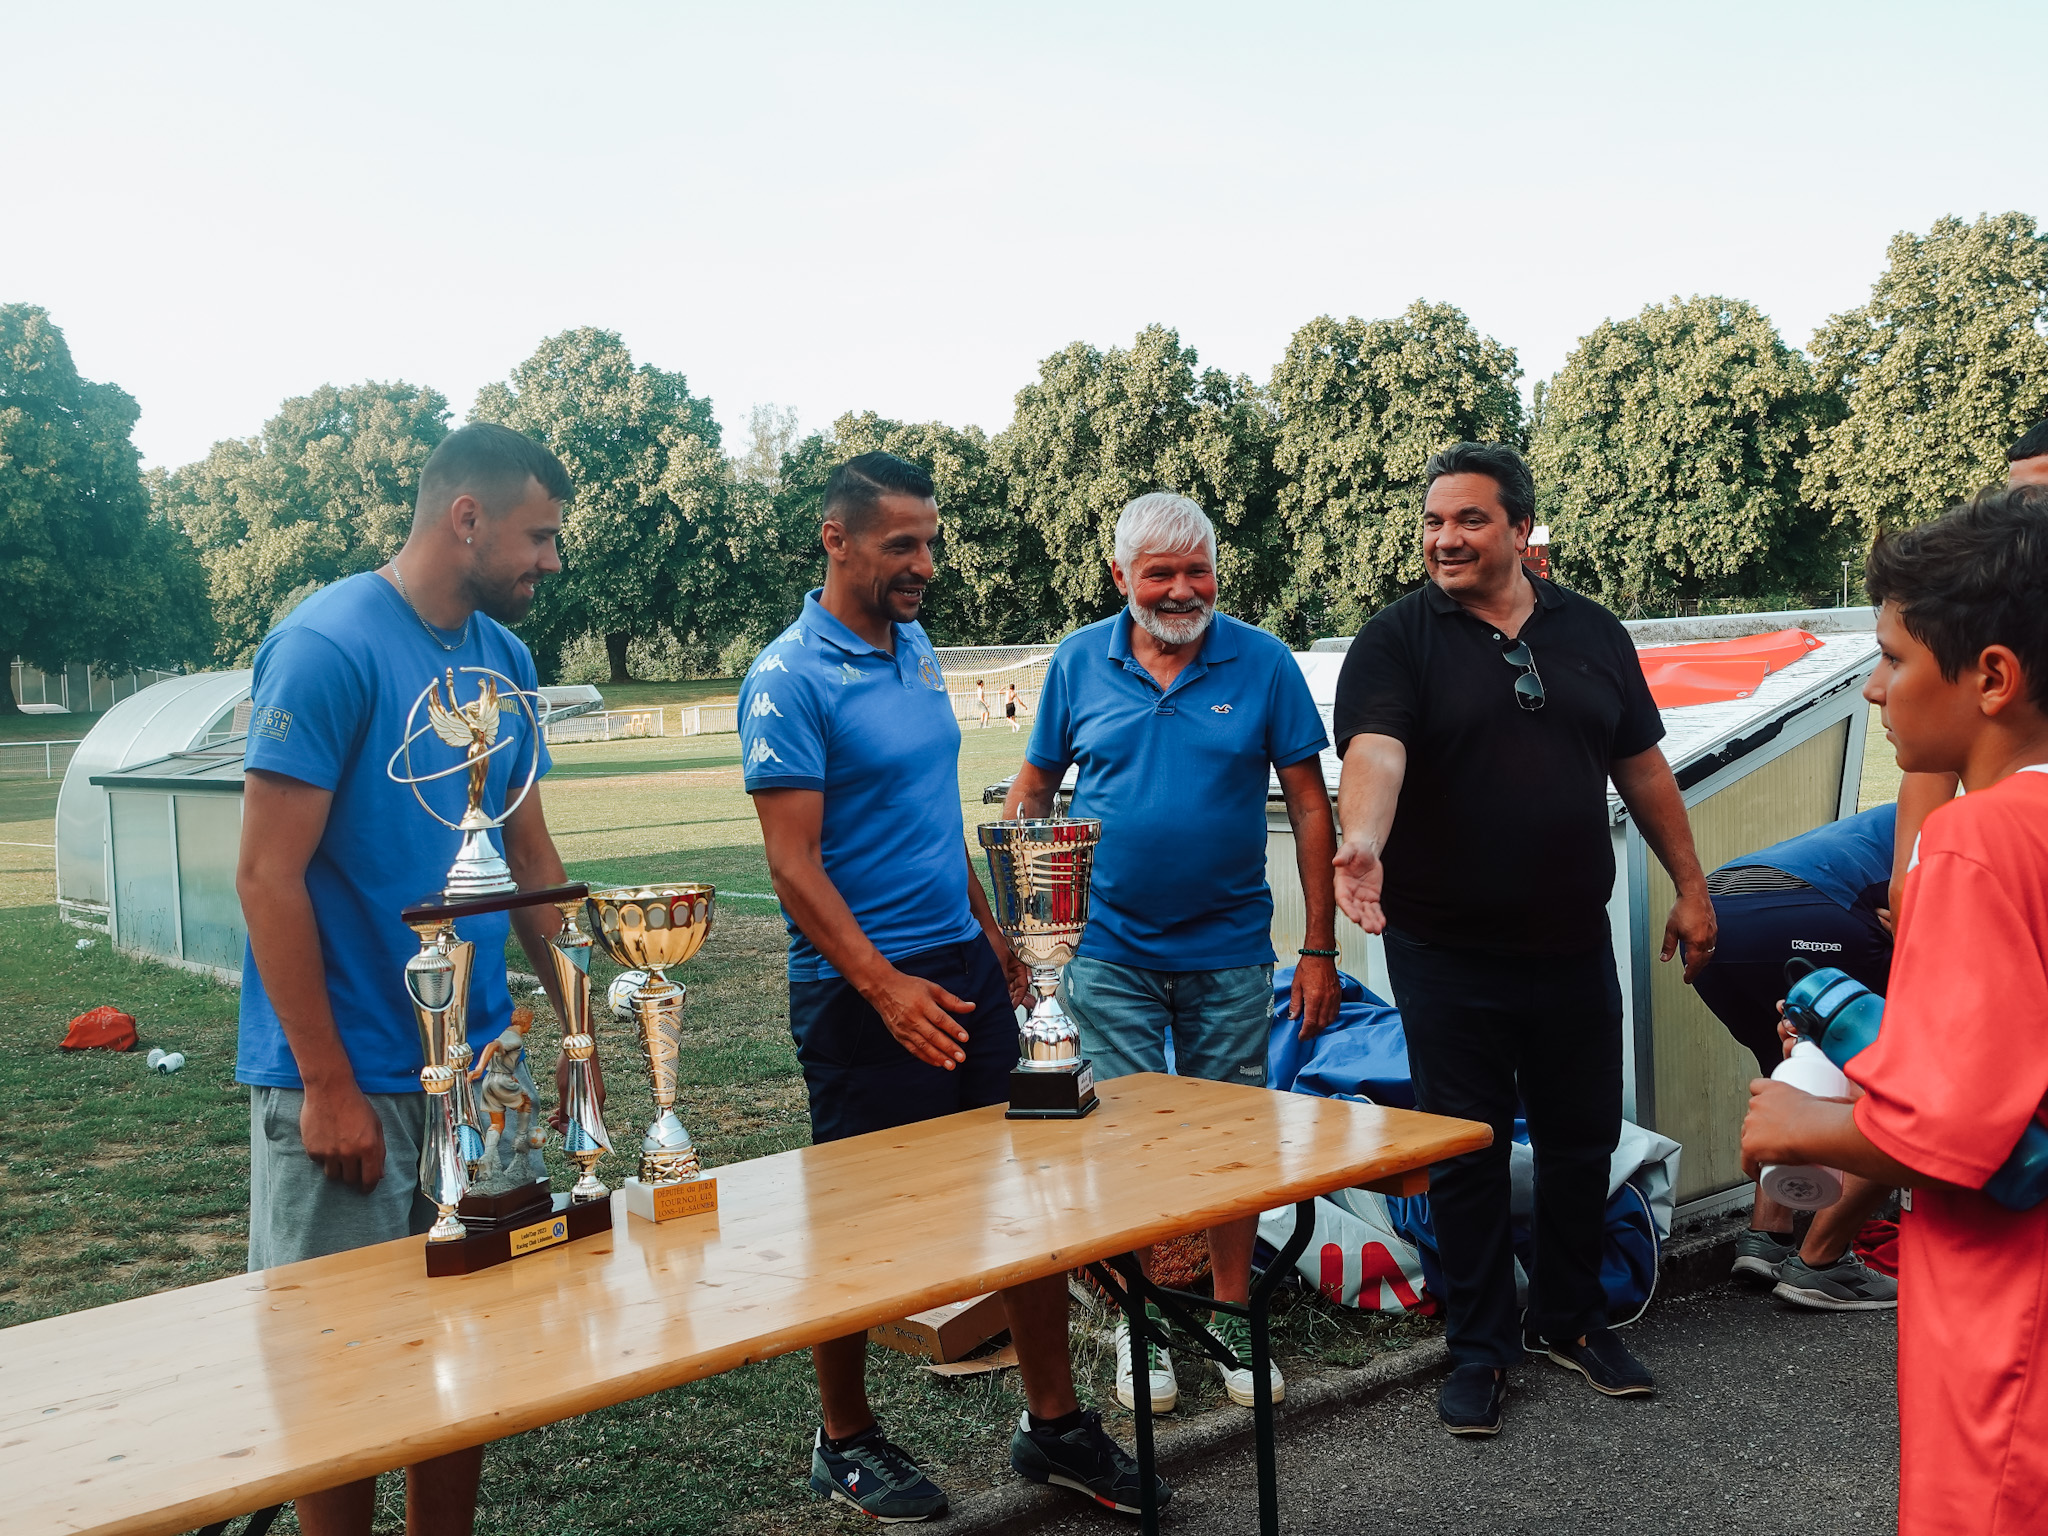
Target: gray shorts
x,y
1221,1020
297,1212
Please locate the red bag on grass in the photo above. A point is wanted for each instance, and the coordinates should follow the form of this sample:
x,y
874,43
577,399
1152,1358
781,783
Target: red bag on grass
x,y
104,1028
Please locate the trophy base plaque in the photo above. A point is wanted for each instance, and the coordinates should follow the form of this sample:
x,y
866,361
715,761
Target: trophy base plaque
x,y
560,1222
665,1202
1064,1095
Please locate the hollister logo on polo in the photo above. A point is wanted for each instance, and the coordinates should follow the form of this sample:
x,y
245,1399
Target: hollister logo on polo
x,y
928,674
1221,709
772,662
272,722
763,705
849,673
760,752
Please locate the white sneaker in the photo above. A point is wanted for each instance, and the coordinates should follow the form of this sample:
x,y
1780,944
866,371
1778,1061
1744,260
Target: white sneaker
x,y
1165,1386
1235,1333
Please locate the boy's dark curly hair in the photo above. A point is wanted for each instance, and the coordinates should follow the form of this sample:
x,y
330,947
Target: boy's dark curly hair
x,y
1976,576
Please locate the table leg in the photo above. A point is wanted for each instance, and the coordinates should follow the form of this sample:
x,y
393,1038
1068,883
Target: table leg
x,y
258,1523
1131,1297
1262,1356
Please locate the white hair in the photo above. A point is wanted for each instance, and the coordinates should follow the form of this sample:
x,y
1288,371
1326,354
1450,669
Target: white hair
x,y
1162,524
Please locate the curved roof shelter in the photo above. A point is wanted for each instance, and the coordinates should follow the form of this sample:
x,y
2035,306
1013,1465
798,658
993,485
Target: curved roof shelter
x,y
175,715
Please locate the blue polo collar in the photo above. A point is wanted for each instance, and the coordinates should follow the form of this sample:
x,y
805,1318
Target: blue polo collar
x,y
820,621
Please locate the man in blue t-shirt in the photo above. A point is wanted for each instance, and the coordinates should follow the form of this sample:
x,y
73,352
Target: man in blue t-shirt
x,y
1821,897
333,849
1176,717
902,990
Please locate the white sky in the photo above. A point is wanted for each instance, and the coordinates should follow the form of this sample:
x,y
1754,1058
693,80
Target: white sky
x,y
904,208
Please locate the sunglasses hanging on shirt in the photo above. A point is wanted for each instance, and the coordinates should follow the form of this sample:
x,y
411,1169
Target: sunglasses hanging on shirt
x,y
1529,686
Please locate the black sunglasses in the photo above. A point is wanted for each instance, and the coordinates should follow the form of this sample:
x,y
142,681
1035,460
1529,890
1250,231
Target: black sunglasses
x,y
1529,686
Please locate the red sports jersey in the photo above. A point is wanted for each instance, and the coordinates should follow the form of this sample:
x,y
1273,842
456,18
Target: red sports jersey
x,y
1959,1067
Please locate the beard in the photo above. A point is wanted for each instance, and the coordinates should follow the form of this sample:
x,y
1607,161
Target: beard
x,y
1170,624
507,604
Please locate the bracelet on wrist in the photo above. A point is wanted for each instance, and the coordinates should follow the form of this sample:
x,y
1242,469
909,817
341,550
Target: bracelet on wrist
x,y
1321,954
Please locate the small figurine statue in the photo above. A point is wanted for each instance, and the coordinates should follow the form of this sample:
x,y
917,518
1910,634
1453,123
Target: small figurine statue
x,y
505,1093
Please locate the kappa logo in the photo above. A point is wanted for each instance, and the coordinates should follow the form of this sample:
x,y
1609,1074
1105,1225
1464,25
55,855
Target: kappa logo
x,y
763,705
1815,947
794,632
772,662
1220,709
760,752
849,674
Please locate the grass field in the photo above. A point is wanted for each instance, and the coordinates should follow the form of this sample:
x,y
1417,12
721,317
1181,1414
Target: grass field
x,y
115,1182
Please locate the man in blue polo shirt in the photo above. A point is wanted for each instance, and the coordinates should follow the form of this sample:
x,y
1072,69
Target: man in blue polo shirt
x,y
1176,715
902,990
332,850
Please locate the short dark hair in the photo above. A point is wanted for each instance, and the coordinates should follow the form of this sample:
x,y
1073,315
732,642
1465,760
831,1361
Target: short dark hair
x,y
858,484
2032,446
1499,463
492,463
1976,576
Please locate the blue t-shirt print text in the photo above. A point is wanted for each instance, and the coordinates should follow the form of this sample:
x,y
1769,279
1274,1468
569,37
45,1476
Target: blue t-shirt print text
x,y
332,687
874,733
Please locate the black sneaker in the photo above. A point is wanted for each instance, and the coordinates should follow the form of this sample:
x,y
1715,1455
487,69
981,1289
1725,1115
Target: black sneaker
x,y
876,1476
1084,1459
1605,1362
1758,1254
1469,1400
1847,1285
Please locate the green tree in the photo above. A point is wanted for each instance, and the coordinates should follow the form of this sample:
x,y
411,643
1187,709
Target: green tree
x,y
87,571
325,490
1942,369
658,535
1669,454
1359,406
1100,428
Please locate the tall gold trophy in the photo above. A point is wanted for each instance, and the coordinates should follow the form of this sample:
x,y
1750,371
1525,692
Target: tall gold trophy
x,y
479,1158
652,929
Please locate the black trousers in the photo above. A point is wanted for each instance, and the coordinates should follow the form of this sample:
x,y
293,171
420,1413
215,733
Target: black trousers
x,y
1483,1029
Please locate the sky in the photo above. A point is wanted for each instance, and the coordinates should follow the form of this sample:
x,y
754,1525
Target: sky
x,y
905,208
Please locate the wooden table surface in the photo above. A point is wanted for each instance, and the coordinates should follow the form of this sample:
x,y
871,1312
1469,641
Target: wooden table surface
x,y
169,1411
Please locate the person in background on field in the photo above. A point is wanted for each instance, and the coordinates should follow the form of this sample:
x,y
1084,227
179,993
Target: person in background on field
x,y
1176,715
902,990
331,851
1959,1070
981,701
1011,704
1819,897
1480,720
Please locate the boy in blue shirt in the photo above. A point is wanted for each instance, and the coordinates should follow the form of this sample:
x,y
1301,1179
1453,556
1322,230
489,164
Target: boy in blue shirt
x,y
332,849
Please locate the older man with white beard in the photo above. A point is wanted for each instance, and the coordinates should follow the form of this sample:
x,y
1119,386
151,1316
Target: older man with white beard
x,y
1173,714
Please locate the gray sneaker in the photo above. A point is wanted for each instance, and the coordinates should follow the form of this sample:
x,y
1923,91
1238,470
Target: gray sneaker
x,y
1847,1285
1759,1254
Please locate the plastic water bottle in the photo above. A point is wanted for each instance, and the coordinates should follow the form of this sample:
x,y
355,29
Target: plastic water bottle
x,y
1806,1186
1841,1015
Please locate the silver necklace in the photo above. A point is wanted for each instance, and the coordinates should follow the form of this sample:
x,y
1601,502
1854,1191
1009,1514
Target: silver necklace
x,y
399,577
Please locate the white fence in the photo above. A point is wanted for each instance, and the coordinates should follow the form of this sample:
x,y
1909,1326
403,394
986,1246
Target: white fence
x,y
35,759
709,719
607,725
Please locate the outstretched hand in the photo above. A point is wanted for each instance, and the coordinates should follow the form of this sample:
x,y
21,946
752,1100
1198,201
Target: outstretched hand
x,y
1360,877
1693,924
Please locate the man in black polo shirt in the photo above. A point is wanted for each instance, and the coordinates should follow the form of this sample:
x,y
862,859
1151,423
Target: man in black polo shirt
x,y
1479,720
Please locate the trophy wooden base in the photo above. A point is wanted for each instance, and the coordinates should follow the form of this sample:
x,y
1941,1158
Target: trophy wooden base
x,y
557,1221
665,1202
1067,1094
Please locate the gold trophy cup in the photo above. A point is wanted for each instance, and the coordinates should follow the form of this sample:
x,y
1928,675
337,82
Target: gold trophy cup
x,y
652,929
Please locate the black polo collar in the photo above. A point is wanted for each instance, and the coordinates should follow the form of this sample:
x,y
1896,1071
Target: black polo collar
x,y
1440,601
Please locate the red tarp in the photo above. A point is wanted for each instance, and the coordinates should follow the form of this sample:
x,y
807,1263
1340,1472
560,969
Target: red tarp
x,y
1716,671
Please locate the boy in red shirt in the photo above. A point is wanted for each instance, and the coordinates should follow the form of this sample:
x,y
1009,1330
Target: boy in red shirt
x,y
1961,1063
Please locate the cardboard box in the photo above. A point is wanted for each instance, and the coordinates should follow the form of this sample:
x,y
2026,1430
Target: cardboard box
x,y
945,1334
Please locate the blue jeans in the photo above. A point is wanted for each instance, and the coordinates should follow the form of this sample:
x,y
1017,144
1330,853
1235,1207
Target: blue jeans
x,y
1220,1019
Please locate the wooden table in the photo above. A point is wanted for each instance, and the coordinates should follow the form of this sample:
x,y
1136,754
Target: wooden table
x,y
174,1410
